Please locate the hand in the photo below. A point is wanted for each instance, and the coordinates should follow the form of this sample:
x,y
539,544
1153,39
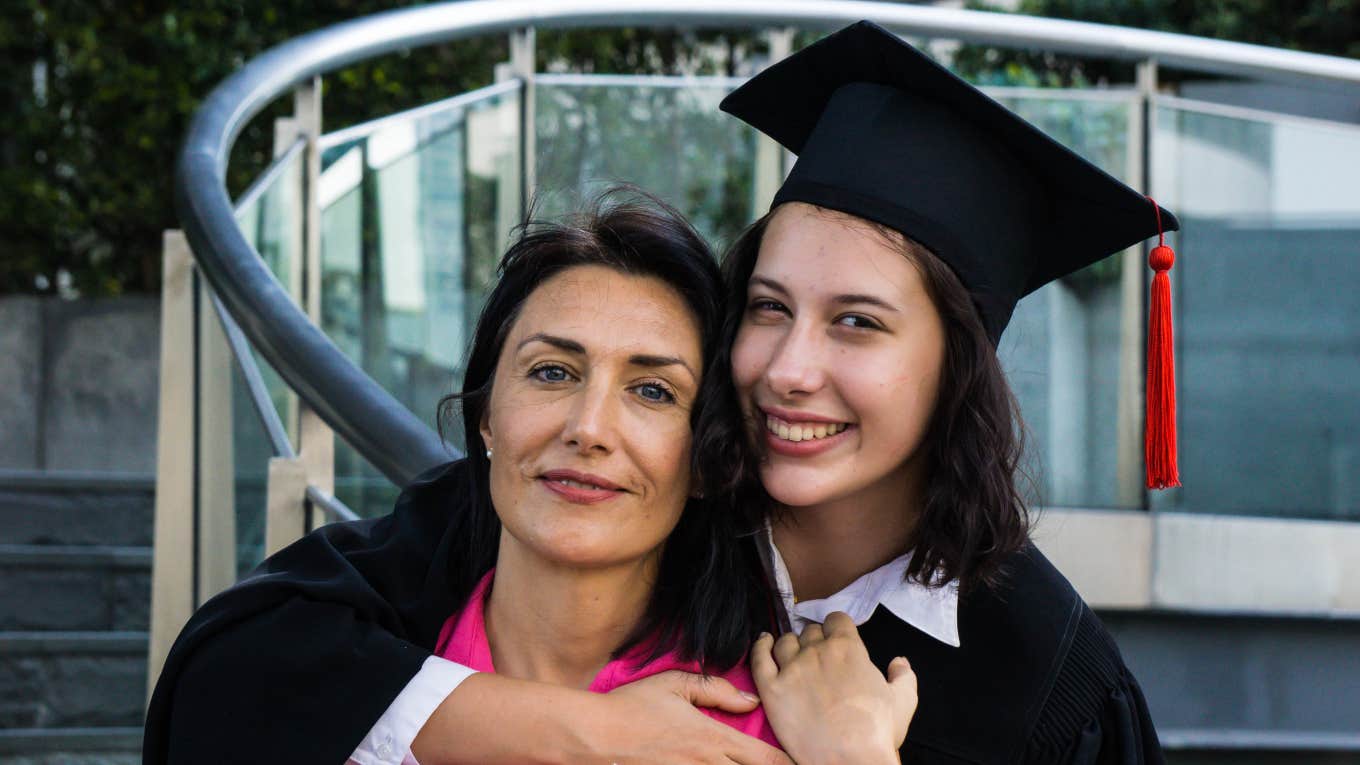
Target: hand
x,y
495,719
826,700
654,720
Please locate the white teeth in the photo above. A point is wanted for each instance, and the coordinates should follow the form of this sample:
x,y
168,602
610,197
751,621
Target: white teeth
x,y
806,431
576,484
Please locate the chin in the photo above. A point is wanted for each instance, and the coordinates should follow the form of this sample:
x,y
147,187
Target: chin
x,y
795,487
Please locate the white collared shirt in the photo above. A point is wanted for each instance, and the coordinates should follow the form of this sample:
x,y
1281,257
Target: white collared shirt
x,y
932,610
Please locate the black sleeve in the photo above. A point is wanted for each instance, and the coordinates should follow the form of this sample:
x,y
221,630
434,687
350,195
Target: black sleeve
x,y
296,662
1095,712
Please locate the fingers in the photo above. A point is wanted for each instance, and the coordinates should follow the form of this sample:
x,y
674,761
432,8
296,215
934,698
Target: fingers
x,y
786,648
902,681
714,693
748,750
899,671
839,623
763,667
811,635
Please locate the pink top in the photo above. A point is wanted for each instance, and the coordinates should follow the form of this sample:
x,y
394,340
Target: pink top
x,y
463,640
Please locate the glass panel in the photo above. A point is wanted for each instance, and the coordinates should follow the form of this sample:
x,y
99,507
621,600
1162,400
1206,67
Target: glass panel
x,y
413,220
1072,349
272,222
665,135
1266,292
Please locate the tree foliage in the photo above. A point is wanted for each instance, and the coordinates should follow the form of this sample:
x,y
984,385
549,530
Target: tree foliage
x,y
98,94
1316,26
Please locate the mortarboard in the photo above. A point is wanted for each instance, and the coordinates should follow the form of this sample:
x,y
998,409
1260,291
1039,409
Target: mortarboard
x,y
884,133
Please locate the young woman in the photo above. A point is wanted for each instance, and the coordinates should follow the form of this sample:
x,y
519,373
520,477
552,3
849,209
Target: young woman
x,y
865,312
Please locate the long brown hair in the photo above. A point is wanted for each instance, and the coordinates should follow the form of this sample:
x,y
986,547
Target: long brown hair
x,y
972,513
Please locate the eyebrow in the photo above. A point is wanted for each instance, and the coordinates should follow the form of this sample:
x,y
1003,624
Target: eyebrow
x,y
570,346
853,298
637,359
649,360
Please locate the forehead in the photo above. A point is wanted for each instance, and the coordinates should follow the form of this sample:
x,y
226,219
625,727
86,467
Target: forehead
x,y
808,249
608,311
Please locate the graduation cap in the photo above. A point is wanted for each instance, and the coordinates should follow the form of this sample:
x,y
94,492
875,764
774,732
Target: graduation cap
x,y
884,133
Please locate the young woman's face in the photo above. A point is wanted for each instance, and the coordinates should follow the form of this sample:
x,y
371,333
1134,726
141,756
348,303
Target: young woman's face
x,y
589,418
837,360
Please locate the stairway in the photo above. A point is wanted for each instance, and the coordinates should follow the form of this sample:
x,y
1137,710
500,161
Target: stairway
x,y
75,595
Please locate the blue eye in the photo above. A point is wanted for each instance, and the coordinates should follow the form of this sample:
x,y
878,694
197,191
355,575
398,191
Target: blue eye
x,y
655,393
551,373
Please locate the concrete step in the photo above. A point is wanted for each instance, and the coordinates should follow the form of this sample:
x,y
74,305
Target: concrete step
x,y
71,746
59,680
74,587
76,508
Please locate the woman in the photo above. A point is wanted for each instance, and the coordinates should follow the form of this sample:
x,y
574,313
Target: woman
x,y
577,556
866,308
578,561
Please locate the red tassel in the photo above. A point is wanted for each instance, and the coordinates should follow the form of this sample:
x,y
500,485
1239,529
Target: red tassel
x,y
1159,436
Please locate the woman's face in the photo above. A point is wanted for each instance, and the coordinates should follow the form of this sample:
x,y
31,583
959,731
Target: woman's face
x,y
837,360
589,418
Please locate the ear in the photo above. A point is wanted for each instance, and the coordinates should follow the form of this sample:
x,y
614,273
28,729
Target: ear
x,y
485,428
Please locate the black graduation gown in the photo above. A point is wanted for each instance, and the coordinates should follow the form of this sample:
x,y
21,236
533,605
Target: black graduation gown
x,y
296,662
1036,679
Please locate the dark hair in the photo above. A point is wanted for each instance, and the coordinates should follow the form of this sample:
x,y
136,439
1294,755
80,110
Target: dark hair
x,y
708,598
972,514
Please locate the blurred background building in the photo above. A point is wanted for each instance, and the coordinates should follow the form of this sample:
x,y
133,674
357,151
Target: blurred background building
x,y
380,196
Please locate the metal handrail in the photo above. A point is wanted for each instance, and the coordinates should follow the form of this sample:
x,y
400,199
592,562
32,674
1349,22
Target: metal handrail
x,y
355,406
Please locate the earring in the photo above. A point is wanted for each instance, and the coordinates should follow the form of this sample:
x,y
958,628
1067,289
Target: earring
x,y
488,454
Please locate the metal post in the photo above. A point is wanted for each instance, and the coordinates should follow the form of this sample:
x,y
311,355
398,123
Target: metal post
x,y
285,135
316,440
172,580
771,161
286,503
523,52
1132,285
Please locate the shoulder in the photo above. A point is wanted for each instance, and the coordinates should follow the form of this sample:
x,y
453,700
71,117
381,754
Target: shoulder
x,y
1091,705
1094,711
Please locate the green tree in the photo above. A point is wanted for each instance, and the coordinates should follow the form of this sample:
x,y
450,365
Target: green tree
x,y
1316,26
98,95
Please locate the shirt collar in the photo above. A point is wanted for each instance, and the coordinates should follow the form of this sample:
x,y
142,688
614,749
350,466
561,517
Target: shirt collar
x,y
932,610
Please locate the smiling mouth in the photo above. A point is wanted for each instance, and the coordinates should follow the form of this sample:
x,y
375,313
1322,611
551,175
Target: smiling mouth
x,y
579,484
802,431
580,487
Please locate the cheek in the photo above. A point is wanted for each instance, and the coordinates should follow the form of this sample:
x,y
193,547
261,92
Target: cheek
x,y
750,357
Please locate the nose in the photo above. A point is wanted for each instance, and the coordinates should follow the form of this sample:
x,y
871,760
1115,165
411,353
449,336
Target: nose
x,y
591,423
797,367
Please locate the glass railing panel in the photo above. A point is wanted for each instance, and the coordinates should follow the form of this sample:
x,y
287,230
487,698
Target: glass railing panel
x,y
1266,291
1072,351
414,215
271,217
664,134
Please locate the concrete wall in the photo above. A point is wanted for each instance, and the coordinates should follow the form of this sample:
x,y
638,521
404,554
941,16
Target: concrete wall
x,y
78,383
